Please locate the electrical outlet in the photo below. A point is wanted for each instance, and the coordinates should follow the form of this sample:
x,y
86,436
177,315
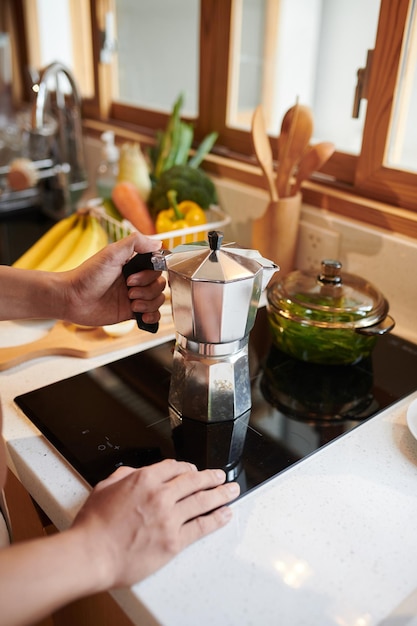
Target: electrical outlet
x,y
315,244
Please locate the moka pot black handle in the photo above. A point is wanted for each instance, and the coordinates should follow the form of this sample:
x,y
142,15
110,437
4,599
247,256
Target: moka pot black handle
x,y
138,263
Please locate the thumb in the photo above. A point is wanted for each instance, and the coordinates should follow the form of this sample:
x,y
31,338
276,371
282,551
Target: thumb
x,y
142,243
123,250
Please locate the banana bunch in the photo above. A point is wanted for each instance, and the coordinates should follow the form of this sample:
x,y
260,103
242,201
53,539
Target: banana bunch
x,y
69,242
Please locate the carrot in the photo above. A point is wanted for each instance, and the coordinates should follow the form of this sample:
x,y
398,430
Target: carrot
x,y
132,207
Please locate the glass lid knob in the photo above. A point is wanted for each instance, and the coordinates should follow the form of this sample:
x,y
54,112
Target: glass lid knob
x,y
330,272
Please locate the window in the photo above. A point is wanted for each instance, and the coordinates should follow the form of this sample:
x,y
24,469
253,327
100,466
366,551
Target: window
x,y
396,29
402,145
271,51
157,53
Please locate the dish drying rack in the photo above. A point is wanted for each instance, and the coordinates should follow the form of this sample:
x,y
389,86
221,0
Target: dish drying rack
x,y
216,219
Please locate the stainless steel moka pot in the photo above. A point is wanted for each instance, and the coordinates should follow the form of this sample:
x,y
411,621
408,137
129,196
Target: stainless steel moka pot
x,y
215,291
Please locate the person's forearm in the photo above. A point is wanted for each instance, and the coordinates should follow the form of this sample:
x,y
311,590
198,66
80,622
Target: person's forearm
x,y
29,294
47,573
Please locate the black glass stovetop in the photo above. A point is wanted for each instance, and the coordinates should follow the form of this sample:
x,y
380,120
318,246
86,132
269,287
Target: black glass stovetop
x,y
117,414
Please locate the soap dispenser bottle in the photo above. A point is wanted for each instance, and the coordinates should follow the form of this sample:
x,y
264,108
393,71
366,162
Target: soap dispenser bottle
x,y
108,169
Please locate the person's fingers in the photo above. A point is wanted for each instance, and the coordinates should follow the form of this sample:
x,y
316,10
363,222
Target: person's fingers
x,y
119,474
150,476
120,252
145,278
150,317
160,472
147,289
187,484
142,243
149,296
141,518
137,242
203,525
169,469
207,499
147,306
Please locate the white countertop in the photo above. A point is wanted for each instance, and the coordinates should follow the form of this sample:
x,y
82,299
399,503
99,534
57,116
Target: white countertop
x,y
330,541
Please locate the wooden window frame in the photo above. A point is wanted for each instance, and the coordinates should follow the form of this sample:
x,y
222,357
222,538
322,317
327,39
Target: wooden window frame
x,y
357,186
372,177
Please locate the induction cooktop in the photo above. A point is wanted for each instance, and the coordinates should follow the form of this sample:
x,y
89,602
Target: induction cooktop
x,y
117,414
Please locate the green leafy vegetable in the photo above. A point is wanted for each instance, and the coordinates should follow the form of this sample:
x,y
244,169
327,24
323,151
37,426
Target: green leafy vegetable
x,y
203,149
184,146
189,183
307,341
174,144
169,141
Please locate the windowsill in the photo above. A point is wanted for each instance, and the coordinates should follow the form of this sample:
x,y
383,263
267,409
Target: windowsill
x,y
323,195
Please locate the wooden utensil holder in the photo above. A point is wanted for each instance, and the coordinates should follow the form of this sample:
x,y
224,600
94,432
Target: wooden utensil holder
x,y
275,233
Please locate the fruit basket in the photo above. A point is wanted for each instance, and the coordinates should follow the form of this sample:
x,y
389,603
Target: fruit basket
x,y
216,219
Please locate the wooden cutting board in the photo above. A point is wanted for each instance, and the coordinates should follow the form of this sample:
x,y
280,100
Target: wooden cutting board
x,y
68,340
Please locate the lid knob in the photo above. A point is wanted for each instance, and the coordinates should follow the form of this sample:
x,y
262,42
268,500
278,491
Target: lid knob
x,y
215,238
330,272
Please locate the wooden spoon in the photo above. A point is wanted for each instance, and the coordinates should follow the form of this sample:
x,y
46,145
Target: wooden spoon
x,y
263,150
287,128
293,144
312,161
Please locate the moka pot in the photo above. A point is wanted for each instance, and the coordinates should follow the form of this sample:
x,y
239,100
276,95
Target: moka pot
x,y
215,292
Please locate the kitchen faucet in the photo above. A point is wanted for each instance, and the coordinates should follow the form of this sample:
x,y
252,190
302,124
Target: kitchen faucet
x,y
72,177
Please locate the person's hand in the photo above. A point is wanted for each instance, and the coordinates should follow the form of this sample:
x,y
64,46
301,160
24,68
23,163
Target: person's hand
x,y
96,291
135,521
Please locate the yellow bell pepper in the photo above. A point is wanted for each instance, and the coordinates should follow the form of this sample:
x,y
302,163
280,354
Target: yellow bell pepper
x,y
180,216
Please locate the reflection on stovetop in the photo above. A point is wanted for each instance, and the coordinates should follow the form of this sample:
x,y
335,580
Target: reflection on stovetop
x,y
321,393
118,414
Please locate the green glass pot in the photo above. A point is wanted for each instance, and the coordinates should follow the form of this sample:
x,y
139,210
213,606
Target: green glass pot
x,y
328,317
